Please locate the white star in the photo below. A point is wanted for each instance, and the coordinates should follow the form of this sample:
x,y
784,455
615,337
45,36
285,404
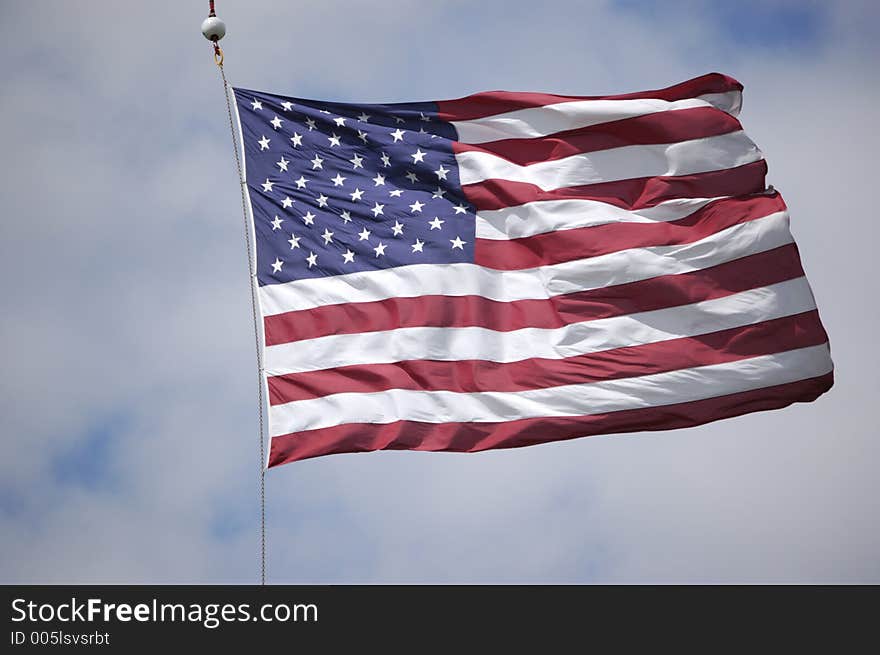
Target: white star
x,y
380,249
334,140
418,156
338,180
264,143
309,218
297,140
396,193
357,161
423,117
312,259
460,209
276,223
276,267
364,118
317,162
294,241
345,216
327,236
386,160
267,185
256,104
301,182
362,136
364,234
322,200
412,177
356,194
379,179
397,229
287,203
276,122
436,223
310,123
398,135
324,111
441,172
340,121
347,256
398,119
457,243
288,106
282,164
439,193
418,245
416,207
378,209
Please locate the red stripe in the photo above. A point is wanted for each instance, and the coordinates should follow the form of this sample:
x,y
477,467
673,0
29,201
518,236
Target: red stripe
x,y
470,437
490,103
628,194
757,270
581,243
660,127
763,338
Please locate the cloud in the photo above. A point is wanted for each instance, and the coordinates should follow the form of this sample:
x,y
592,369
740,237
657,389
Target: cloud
x,y
129,445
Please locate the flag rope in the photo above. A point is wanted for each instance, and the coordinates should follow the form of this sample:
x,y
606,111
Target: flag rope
x,y
218,59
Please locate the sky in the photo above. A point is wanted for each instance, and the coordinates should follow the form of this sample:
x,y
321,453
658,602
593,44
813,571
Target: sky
x,y
128,412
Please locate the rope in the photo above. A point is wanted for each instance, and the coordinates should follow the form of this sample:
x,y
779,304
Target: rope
x,y
252,274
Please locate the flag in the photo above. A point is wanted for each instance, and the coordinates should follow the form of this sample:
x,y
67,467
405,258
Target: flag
x,y
509,269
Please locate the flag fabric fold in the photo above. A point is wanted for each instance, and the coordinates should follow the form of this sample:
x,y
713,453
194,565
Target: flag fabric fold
x,y
509,269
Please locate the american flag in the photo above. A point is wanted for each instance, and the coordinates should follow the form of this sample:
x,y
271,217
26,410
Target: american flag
x,y
509,269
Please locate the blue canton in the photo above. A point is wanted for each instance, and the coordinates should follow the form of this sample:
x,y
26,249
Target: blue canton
x,y
338,188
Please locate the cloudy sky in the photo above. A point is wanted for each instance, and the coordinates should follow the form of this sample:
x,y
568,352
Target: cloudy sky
x,y
129,445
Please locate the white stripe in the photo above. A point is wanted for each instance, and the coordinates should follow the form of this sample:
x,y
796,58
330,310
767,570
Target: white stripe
x,y
543,282
730,102
659,389
542,216
712,153
550,119
463,343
